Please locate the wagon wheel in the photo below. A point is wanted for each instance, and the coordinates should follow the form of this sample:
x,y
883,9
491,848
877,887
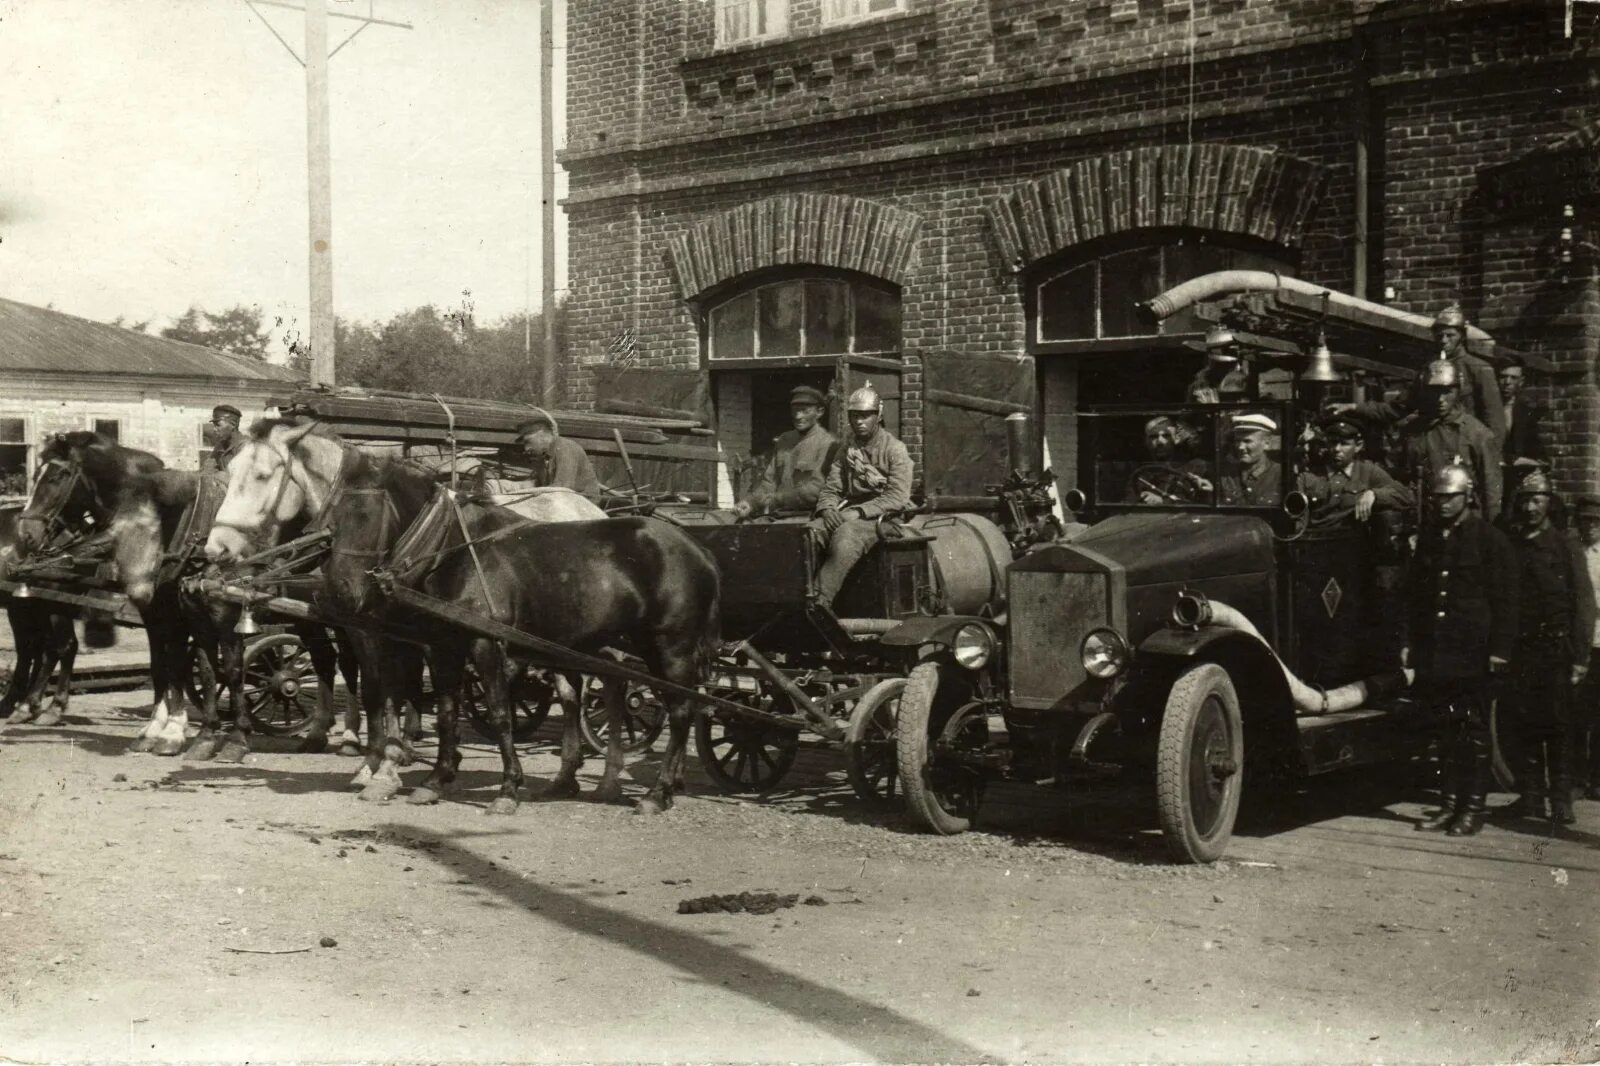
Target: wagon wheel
x,y
279,685
870,742
530,705
937,726
744,757
1199,764
641,722
200,677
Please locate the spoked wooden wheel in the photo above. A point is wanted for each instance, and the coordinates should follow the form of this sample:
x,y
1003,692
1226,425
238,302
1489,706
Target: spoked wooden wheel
x,y
530,705
1200,764
201,677
641,720
870,742
744,757
279,689
938,725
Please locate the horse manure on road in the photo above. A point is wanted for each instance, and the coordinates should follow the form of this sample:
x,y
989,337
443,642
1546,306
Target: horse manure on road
x,y
738,903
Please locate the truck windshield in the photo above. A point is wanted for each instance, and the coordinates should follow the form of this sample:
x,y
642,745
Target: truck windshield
x,y
1189,458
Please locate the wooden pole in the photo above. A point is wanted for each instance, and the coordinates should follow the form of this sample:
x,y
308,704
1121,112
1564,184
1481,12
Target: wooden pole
x,y
319,191
547,185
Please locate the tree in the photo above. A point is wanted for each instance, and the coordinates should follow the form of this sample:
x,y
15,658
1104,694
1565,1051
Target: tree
x,y
239,330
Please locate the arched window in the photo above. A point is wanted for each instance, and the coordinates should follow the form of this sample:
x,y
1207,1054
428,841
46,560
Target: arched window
x,y
799,320
1094,299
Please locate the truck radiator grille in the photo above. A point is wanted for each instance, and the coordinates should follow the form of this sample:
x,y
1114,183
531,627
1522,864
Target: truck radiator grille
x,y
1049,615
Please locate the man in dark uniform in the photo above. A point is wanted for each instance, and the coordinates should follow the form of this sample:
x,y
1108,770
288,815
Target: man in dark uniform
x,y
1556,623
1443,433
555,460
1461,630
869,478
1350,487
793,476
223,433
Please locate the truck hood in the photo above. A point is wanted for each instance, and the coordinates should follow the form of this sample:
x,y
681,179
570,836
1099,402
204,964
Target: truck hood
x,y
1167,548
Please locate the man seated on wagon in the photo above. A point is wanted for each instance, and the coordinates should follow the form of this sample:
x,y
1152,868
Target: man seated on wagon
x,y
553,459
1348,487
223,433
794,473
1172,473
1252,478
868,480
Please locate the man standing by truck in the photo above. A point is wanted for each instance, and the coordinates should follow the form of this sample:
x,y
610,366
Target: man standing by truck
x,y
1461,631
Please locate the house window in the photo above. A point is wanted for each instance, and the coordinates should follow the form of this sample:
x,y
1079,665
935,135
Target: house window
x,y
1097,300
109,427
14,457
751,20
806,319
850,10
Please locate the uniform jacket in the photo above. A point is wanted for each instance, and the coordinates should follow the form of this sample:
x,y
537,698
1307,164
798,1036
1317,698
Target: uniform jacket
x,y
792,478
1522,432
844,487
1463,600
1430,445
568,467
1333,494
1240,488
1555,595
221,454
1480,398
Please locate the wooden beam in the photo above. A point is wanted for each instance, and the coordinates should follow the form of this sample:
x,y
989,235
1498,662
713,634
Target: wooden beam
x,y
975,403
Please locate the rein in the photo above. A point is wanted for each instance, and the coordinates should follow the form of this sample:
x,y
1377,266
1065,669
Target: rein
x,y
52,517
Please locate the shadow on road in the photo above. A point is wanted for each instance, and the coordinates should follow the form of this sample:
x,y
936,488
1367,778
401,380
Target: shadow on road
x,y
880,1033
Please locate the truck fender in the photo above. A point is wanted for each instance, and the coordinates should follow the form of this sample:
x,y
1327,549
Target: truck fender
x,y
935,629
1257,675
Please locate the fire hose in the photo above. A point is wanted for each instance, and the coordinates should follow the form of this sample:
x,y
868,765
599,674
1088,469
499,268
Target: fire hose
x,y
1193,609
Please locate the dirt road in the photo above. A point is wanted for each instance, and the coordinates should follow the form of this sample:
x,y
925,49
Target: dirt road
x,y
137,892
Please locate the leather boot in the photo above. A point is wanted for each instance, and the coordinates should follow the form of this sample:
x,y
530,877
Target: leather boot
x,y
1531,776
1441,819
1476,790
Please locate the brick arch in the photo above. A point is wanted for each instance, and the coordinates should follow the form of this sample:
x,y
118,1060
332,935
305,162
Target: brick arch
x,y
802,228
1229,188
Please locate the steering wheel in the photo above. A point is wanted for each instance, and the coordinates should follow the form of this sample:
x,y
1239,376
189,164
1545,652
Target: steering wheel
x,y
1172,484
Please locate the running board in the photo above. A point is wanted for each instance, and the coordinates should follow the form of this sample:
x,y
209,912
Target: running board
x,y
1360,737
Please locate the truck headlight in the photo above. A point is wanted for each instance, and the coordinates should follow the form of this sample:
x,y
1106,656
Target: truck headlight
x,y
1105,653
972,646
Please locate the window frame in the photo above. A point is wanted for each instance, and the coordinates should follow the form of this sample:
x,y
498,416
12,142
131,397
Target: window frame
x,y
900,7
29,455
852,284
777,27
94,422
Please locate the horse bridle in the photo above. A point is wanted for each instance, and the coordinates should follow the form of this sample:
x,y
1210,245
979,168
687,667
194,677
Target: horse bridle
x,y
52,518
283,488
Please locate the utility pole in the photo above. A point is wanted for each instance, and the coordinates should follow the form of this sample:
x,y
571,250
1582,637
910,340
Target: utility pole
x,y
319,165
547,182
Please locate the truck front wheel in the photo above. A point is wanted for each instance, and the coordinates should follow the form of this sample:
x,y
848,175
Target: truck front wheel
x,y
1199,764
937,725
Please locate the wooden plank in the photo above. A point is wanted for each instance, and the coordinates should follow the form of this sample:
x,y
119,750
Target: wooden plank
x,y
634,407
975,403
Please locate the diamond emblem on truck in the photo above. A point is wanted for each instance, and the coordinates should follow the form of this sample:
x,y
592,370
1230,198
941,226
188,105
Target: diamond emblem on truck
x,y
1331,595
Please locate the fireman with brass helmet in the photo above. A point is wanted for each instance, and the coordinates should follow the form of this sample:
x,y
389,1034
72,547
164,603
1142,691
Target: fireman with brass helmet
x,y
1443,432
1478,393
1461,632
868,481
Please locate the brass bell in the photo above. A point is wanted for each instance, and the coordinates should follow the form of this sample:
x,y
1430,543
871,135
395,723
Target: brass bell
x,y
22,591
1319,366
246,625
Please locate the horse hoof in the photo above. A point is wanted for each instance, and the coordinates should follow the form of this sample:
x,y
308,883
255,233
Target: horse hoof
x,y
350,748
363,777
142,744
312,744
650,805
421,796
203,749
167,746
605,794
233,751
501,806
50,717
561,789
380,789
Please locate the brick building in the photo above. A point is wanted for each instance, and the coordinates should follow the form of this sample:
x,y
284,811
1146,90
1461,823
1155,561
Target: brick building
x,y
60,373
766,191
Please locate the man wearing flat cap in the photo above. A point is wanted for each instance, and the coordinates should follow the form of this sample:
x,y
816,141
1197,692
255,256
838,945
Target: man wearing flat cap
x,y
554,460
793,475
1252,478
1585,747
223,433
1351,487
1556,617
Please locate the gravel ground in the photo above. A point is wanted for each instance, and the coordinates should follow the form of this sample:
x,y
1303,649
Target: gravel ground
x,y
192,911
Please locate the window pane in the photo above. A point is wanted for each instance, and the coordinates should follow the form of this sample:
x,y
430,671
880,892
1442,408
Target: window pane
x,y
13,468
1184,261
1125,279
110,427
13,429
877,319
1066,306
827,318
733,328
780,320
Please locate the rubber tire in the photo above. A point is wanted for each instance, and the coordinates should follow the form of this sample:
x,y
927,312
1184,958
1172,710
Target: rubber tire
x,y
861,732
919,721
592,730
283,644
1188,697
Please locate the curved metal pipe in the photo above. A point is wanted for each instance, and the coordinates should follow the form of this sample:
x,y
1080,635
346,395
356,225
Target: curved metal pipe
x,y
1195,609
1221,282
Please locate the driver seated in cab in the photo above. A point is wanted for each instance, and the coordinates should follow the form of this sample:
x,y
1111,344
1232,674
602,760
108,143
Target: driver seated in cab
x,y
1170,474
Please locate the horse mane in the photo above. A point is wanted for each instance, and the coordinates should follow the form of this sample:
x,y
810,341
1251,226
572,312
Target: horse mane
x,y
261,428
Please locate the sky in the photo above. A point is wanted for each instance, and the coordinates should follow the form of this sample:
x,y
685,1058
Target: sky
x,y
153,156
